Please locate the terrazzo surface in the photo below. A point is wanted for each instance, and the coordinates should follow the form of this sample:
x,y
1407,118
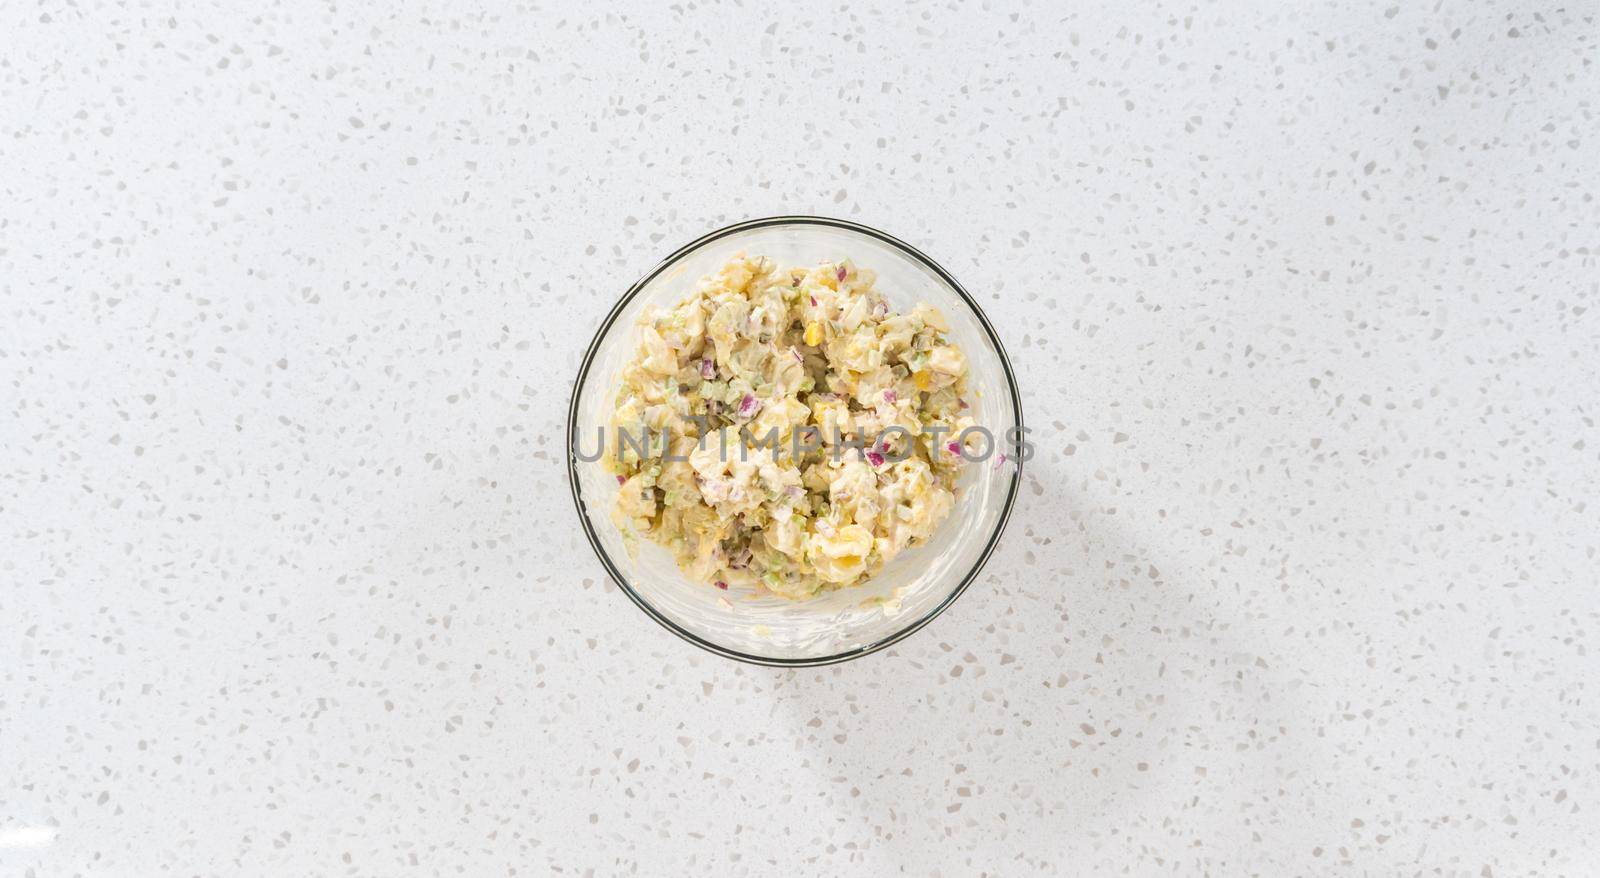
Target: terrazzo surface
x,y
1301,582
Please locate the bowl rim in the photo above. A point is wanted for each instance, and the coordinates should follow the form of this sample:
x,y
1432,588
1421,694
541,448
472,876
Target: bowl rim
x,y
606,327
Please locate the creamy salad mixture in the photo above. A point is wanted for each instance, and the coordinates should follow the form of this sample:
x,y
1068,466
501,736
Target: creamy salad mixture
x,y
818,355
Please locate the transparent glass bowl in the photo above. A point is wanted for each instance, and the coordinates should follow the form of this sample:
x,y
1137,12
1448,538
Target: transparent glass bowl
x,y
919,583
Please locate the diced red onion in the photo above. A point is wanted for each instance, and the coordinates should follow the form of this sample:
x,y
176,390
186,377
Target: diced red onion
x,y
964,405
874,458
842,272
708,369
748,406
889,397
954,447
722,585
621,479
813,301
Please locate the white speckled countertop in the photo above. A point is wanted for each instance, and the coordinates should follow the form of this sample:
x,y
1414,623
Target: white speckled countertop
x,y
1302,580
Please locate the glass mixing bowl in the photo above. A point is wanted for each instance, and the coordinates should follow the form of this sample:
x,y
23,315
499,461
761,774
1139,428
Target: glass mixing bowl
x,y
919,583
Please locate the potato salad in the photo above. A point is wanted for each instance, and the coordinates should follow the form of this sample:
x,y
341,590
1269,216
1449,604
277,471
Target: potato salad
x,y
785,429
